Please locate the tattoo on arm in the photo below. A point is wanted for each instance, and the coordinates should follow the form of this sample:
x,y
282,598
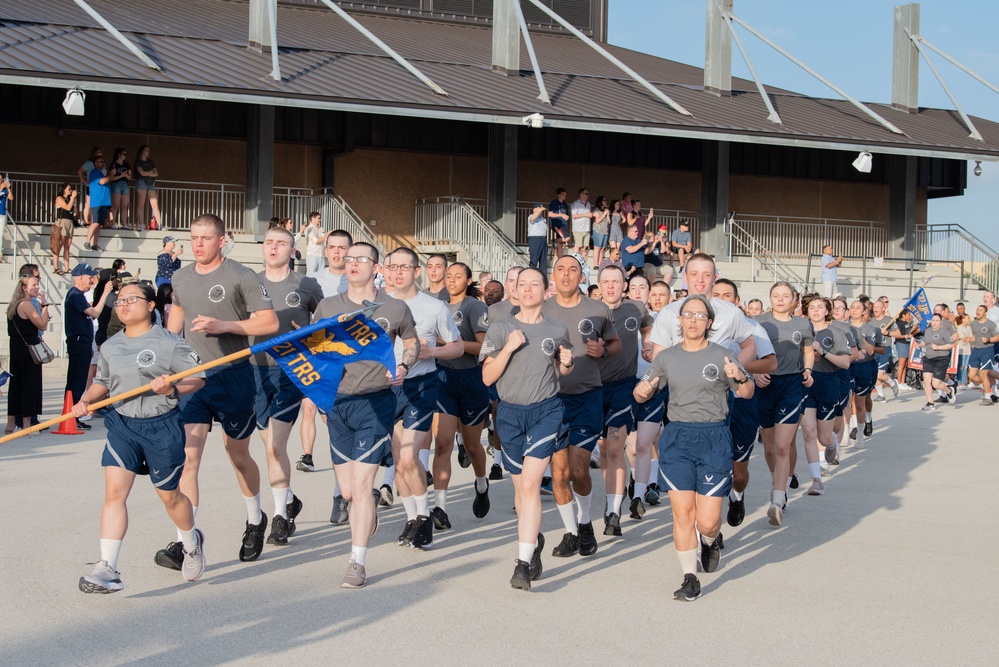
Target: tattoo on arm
x,y
409,354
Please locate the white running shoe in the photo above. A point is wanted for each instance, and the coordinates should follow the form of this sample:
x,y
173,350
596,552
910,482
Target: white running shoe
x,y
817,488
894,387
194,560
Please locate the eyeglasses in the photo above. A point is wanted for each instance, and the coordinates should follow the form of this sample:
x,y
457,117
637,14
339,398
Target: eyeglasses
x,y
130,300
360,260
400,267
688,315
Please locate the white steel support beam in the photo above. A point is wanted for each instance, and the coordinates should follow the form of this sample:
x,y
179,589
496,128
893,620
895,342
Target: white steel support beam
x,y
385,47
146,60
275,62
975,134
839,91
774,117
543,96
961,67
606,54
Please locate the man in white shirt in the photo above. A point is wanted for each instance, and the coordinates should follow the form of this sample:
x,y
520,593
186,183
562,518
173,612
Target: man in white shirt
x,y
582,216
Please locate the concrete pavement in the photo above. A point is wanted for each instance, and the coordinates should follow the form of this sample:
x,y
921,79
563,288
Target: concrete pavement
x,y
891,566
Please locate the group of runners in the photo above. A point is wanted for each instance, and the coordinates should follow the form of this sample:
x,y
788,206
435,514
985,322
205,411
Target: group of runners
x,y
677,393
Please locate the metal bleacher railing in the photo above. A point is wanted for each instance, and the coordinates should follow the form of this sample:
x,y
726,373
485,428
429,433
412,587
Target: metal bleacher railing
x,y
452,222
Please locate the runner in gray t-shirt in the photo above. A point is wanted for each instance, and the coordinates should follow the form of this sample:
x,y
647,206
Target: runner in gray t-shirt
x,y
525,353
217,304
698,392
278,399
145,433
789,338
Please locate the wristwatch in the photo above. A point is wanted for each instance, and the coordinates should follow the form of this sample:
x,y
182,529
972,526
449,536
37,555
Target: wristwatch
x,y
404,365
174,394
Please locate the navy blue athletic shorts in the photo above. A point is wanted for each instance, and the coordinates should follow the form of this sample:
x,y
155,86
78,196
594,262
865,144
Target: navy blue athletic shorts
x,y
151,446
228,397
743,423
619,404
845,389
654,409
360,428
981,357
277,396
416,402
865,374
462,394
782,401
824,395
535,430
883,360
696,457
583,417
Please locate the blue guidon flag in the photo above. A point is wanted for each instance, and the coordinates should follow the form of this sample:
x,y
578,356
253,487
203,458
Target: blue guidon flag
x,y
919,306
313,357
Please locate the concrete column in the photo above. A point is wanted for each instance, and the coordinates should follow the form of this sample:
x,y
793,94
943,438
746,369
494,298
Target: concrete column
x,y
501,189
259,170
902,170
718,50
260,25
714,199
506,37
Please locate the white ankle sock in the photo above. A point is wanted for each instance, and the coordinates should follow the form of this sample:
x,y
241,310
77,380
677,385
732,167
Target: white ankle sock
x,y
481,484
409,503
568,514
498,457
583,502
688,561
109,552
389,477
336,486
640,490
614,501
180,536
189,539
422,505
358,554
815,470
253,514
440,499
778,498
526,551
654,472
425,458
735,495
280,502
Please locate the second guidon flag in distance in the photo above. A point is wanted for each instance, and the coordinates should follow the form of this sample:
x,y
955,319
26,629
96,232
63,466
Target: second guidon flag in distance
x,y
919,306
314,356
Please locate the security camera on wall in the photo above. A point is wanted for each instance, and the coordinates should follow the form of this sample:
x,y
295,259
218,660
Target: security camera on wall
x,y
535,120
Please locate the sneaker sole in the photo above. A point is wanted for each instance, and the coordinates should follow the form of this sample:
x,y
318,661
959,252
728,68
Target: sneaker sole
x,y
817,492
165,561
304,468
347,584
521,583
89,587
278,541
204,559
680,597
775,515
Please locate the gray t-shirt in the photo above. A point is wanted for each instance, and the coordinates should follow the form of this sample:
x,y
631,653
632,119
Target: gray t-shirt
x,y
331,284
941,336
698,386
789,339
680,237
847,331
393,315
882,322
530,376
471,317
128,362
502,309
871,333
730,323
433,321
295,299
442,294
987,328
231,292
588,320
629,318
833,340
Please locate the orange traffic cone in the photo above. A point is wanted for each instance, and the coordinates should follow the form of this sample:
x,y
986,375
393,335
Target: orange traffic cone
x,y
68,427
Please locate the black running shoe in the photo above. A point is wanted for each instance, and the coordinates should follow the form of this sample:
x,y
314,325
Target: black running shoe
x,y
440,519
853,433
631,487
253,540
653,495
612,524
637,509
794,481
710,554
305,463
546,486
869,428
423,534
736,511
294,508
587,540
569,546
496,472
279,530
83,426
480,506
521,576
690,590
172,557
406,538
463,459
430,479
536,566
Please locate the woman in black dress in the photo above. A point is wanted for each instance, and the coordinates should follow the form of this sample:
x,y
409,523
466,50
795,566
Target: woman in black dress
x,y
24,319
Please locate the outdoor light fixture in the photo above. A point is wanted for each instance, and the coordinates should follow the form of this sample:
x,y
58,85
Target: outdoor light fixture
x,y
535,120
978,167
73,104
863,162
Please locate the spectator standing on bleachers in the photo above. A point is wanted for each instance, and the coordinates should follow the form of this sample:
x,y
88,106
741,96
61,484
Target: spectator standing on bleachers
x,y
315,239
582,218
84,173
682,242
830,273
5,196
537,238
78,318
145,188
558,218
62,228
168,260
119,172
601,228
616,226
100,203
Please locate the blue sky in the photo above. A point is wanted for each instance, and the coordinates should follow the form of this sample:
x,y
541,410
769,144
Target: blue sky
x,y
850,43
